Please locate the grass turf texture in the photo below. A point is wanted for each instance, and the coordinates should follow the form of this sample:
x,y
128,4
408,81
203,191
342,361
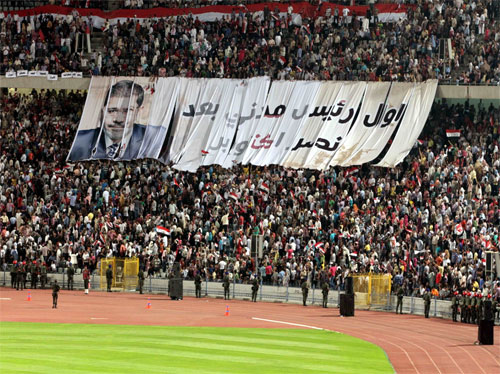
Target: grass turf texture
x,y
74,348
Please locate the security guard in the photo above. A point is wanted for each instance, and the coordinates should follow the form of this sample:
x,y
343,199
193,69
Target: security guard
x,y
324,290
197,284
34,275
467,307
305,291
43,275
140,275
473,310
24,269
70,272
225,284
463,307
255,288
479,308
55,292
13,274
400,293
427,303
109,277
454,306
19,276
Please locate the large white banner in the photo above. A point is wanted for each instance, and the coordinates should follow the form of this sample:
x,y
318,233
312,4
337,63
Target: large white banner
x,y
304,124
412,125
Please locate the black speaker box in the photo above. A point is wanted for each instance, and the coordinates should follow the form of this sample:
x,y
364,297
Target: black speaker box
x,y
347,305
349,289
485,332
175,289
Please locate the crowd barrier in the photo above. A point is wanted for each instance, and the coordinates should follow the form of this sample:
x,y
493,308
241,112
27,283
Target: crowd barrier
x,y
267,293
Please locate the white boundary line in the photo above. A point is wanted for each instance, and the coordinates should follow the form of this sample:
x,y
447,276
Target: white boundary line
x,y
98,318
5,298
292,324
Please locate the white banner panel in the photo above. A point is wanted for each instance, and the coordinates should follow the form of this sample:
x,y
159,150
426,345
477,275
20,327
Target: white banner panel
x,y
378,134
253,108
189,92
166,92
209,119
372,110
413,124
280,124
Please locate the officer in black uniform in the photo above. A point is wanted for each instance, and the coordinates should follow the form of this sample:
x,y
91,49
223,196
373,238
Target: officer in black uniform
x,y
55,292
70,272
13,274
463,307
140,275
427,303
400,293
325,288
454,306
43,275
197,284
225,284
255,288
109,277
34,275
473,309
19,276
305,291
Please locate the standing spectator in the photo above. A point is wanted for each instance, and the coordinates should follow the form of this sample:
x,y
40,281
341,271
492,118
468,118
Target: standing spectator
x,y
86,279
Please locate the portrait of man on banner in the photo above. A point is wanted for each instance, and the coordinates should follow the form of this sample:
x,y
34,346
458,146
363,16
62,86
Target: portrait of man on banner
x,y
119,136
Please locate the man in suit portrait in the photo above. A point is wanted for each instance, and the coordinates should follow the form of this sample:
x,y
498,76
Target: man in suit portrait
x,y
119,137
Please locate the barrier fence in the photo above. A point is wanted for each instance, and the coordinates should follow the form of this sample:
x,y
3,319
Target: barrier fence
x,y
267,293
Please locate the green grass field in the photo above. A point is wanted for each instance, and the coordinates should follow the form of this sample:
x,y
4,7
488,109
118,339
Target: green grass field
x,y
72,348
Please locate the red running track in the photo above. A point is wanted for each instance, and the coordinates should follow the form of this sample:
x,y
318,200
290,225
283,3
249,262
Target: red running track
x,y
412,343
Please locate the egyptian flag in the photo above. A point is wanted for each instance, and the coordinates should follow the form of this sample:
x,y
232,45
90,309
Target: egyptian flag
x,y
320,246
264,187
162,230
459,229
235,196
450,133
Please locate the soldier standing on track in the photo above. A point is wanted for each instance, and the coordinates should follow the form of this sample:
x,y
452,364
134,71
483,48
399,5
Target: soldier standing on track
x,y
140,275
324,290
467,307
109,277
43,275
13,274
70,273
479,308
55,291
197,284
34,275
463,307
427,303
305,291
454,306
473,310
255,288
86,279
225,284
399,305
25,274
19,276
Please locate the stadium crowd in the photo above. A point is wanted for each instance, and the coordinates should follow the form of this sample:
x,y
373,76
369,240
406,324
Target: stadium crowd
x,y
337,45
427,222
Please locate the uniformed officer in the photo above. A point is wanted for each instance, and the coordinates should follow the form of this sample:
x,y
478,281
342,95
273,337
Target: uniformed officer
x,y
86,279
427,303
197,284
473,310
70,272
109,277
140,275
324,290
34,275
463,307
255,288
225,284
43,275
454,306
19,276
305,291
400,293
24,270
55,292
13,274
467,307
479,308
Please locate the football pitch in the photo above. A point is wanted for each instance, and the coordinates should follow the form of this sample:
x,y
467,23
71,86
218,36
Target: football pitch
x,y
103,348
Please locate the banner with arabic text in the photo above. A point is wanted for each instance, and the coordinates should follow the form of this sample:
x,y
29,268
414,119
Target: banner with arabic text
x,y
190,123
